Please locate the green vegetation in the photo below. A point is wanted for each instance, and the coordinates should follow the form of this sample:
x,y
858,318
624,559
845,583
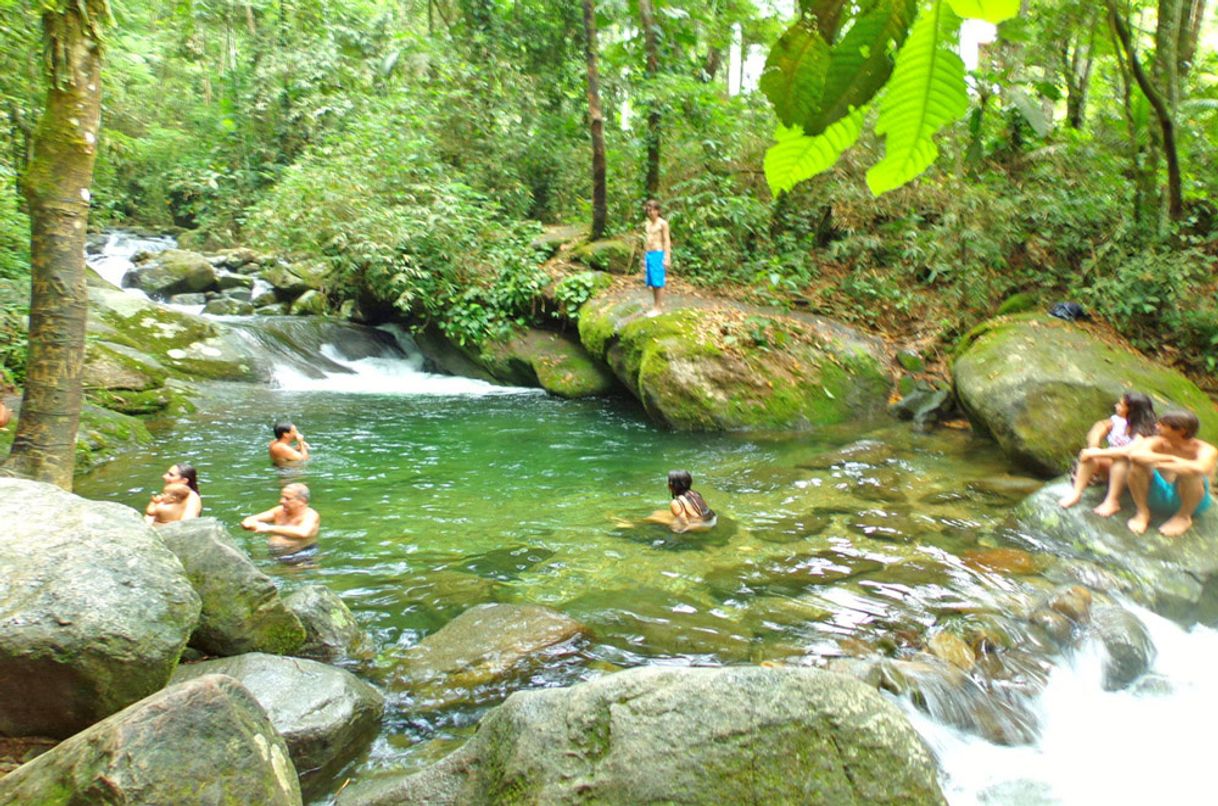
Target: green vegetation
x,y
413,149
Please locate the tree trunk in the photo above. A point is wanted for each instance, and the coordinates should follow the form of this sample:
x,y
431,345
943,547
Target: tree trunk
x,y
596,123
57,190
647,20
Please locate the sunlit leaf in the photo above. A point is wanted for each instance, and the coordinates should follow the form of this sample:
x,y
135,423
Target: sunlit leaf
x,y
794,73
994,11
796,156
925,93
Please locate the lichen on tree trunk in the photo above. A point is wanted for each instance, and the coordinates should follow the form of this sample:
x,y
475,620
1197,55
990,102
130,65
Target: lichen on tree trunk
x,y
56,186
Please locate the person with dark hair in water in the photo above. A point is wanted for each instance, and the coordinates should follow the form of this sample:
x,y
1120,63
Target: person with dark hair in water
x,y
688,511
288,447
1133,418
184,475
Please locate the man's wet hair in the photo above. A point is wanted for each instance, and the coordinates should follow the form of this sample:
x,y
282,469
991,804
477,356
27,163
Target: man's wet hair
x,y
281,429
1183,421
297,490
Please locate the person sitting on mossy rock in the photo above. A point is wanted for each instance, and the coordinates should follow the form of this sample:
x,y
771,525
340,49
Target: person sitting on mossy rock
x,y
1168,474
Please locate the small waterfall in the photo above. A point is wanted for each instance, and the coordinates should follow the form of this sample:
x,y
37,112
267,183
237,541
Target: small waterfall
x,y
113,260
1145,744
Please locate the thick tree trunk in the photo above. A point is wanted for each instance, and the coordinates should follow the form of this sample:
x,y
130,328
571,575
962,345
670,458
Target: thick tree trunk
x,y
596,122
57,190
647,20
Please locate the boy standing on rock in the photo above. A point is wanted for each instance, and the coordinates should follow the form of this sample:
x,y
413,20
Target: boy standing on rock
x,y
657,256
1169,473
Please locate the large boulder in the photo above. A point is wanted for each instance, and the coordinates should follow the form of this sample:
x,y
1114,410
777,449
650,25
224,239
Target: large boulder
x,y
616,255
205,741
94,610
556,362
242,610
1176,577
470,656
665,735
173,271
331,631
731,367
1037,384
325,715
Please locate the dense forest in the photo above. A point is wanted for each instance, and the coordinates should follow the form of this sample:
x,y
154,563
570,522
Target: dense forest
x,y
416,147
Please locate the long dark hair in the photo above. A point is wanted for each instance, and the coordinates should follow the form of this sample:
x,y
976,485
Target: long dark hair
x,y
1141,414
189,475
679,482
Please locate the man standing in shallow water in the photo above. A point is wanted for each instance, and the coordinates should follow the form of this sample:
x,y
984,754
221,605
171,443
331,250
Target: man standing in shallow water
x,y
1169,473
292,525
288,447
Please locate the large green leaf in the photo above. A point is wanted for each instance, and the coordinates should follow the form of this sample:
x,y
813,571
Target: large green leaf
x,y
994,11
862,61
794,74
827,13
796,157
926,92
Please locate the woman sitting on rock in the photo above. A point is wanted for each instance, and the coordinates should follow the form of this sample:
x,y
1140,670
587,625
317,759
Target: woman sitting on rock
x,y
1134,418
687,512
192,507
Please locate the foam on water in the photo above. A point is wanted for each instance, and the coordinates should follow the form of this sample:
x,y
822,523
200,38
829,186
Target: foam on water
x,y
386,375
115,258
1151,743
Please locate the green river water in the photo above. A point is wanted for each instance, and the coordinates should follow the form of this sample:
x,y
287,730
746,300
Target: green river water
x,y
432,503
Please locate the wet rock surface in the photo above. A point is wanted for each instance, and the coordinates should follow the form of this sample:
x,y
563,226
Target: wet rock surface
x,y
331,631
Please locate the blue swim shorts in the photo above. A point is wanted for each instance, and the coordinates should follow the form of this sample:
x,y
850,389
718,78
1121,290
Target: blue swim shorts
x,y
655,269
1164,499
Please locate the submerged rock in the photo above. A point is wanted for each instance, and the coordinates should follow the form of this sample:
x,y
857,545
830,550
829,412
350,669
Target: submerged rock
x,y
479,648
94,611
1176,577
331,631
681,735
721,367
1037,384
204,741
242,611
325,715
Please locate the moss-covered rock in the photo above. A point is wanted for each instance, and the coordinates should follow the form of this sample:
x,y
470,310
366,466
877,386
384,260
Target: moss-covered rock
x,y
722,368
103,432
1037,384
555,236
615,255
664,735
310,303
117,366
331,629
173,271
556,362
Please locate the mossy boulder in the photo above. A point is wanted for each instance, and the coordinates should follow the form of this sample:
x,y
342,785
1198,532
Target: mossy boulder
x,y
1176,577
331,629
555,236
730,367
614,255
228,306
665,735
288,284
103,432
556,362
310,303
203,741
1037,384
95,610
242,610
173,271
116,366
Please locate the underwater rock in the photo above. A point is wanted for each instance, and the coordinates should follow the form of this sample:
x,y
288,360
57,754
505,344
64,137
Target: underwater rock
x,y
331,631
477,649
1003,560
1037,384
242,611
683,735
326,715
203,741
95,610
723,367
953,649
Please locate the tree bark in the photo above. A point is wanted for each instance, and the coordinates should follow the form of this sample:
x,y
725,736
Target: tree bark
x,y
57,190
1167,126
596,123
647,20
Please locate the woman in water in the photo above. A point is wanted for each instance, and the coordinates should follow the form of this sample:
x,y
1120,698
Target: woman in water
x,y
1134,418
181,474
687,512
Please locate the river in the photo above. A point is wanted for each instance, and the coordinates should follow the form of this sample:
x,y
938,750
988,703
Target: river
x,y
439,493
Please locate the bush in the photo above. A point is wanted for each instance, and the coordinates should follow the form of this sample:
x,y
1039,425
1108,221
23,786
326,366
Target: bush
x,y
14,230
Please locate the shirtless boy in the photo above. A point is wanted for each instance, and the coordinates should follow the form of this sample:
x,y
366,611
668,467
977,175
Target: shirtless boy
x,y
658,254
290,526
1169,473
168,506
288,446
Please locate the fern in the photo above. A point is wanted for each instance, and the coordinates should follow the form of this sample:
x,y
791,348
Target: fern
x,y
926,92
796,157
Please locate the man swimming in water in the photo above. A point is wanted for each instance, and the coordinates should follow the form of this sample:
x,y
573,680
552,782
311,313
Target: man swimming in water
x,y
288,447
292,525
